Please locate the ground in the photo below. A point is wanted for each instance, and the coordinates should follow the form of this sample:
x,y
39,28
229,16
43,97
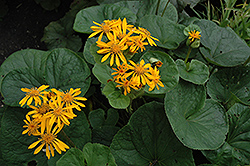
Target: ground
x,y
22,27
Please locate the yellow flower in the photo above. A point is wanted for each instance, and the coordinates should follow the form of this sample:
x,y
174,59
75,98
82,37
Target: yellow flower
x,y
136,43
122,29
194,35
126,84
59,113
121,70
105,27
50,141
71,97
34,94
155,79
39,111
32,126
113,49
140,72
147,34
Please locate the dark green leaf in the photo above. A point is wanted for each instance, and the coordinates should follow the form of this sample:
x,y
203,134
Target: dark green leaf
x,y
78,130
86,51
17,79
149,7
28,58
73,157
148,139
103,130
168,71
14,145
115,96
102,73
97,155
222,46
65,69
196,126
229,83
56,36
84,19
196,72
169,33
48,4
235,151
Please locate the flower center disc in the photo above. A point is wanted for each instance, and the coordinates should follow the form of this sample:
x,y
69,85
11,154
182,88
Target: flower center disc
x,y
48,137
139,70
67,98
105,28
34,92
115,49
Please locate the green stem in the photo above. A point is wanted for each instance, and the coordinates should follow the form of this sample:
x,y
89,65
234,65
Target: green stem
x,y
188,53
165,8
157,8
68,139
247,61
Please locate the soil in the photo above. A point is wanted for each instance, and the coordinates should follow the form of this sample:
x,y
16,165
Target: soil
x,y
23,25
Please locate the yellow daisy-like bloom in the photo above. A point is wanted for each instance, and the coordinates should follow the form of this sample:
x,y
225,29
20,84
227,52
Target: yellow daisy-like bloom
x,y
105,27
122,29
113,49
126,84
155,79
140,72
194,35
59,113
71,97
34,94
50,141
137,43
145,33
32,126
39,111
120,71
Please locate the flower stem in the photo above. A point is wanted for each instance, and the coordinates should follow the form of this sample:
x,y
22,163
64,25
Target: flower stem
x,y
247,61
165,8
68,139
157,8
188,53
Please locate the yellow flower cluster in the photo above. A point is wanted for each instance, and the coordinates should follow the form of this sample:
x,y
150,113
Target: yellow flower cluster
x,y
121,36
137,75
51,109
194,35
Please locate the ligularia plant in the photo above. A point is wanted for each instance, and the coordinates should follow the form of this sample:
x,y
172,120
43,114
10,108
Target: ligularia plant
x,y
150,86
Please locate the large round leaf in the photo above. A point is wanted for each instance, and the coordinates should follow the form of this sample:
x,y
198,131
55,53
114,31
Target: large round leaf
x,y
65,70
197,126
168,32
149,7
229,83
84,18
97,155
92,155
78,130
148,139
115,96
223,46
236,150
103,129
14,145
196,71
56,36
168,71
17,79
86,51
102,73
28,58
